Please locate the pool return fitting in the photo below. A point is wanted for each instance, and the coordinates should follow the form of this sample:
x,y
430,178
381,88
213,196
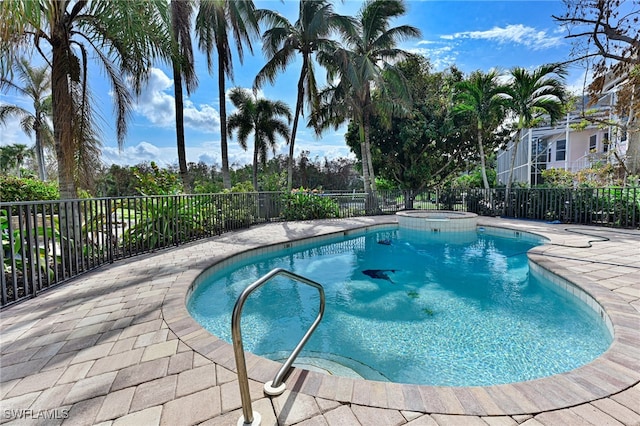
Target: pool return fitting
x,y
276,386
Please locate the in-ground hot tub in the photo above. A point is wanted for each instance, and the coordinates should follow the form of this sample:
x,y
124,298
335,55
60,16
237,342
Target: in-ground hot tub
x,y
437,220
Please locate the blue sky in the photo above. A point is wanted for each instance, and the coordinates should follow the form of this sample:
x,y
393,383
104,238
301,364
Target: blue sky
x,y
470,34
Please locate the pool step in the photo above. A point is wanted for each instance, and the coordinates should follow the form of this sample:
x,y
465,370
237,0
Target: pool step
x,y
331,364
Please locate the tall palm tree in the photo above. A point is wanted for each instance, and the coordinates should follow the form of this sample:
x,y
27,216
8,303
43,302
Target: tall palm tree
x,y
182,63
284,41
123,37
216,22
34,83
532,95
368,55
261,117
484,98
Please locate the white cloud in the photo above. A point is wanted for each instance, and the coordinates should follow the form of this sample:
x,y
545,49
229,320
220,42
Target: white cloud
x,y
208,152
439,57
156,104
206,119
131,155
518,34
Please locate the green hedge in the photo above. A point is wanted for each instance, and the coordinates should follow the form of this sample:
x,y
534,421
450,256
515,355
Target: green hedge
x,y
26,189
304,206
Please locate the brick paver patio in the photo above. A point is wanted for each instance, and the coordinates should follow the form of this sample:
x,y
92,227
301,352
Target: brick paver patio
x,y
117,347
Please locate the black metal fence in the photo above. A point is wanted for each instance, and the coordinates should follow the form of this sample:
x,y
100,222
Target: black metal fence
x,y
45,243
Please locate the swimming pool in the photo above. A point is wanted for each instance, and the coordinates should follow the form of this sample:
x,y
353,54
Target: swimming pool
x,y
442,310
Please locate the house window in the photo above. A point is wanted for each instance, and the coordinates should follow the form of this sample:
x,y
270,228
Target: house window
x,y
605,142
593,140
561,150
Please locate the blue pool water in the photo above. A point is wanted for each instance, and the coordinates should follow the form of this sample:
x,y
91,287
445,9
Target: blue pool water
x,y
458,309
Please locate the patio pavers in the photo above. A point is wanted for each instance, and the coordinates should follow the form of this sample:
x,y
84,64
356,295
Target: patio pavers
x,y
116,347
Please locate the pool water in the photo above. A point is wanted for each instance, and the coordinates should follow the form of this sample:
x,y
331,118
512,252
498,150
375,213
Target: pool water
x,y
458,309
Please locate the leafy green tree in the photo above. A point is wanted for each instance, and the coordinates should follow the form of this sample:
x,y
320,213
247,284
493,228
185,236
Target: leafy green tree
x,y
216,22
206,179
156,181
182,63
34,83
532,94
475,178
116,181
425,148
368,55
484,99
283,41
261,117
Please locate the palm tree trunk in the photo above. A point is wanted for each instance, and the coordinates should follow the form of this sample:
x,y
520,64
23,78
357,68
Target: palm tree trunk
x,y
62,108
255,166
513,160
483,165
363,159
366,119
40,153
294,129
367,144
507,196
179,103
62,102
224,150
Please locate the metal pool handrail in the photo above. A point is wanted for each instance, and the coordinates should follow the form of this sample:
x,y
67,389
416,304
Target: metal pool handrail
x,y
274,387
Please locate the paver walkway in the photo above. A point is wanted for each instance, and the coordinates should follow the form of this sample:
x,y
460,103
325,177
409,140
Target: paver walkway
x,y
117,347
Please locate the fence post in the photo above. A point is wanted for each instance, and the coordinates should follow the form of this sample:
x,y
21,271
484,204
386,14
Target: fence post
x,y
112,232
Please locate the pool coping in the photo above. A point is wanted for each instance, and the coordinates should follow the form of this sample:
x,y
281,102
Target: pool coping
x,y
616,370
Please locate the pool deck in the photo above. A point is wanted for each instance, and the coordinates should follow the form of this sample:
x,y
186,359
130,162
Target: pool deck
x,y
117,347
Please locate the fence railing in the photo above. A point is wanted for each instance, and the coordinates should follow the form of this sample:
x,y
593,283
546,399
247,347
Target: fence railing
x,y
45,243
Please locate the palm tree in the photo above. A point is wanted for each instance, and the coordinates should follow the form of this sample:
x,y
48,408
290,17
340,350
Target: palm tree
x,y
35,83
183,69
368,56
12,156
283,41
261,117
123,37
531,95
484,98
215,21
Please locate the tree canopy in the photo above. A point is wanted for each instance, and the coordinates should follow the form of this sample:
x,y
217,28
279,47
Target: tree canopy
x,y
605,36
423,148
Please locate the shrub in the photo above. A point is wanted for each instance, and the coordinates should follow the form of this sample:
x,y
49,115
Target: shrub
x,y
245,186
304,206
207,187
26,189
